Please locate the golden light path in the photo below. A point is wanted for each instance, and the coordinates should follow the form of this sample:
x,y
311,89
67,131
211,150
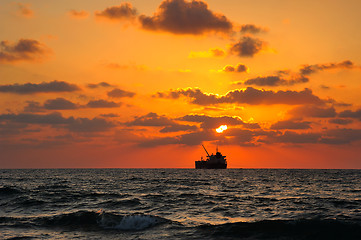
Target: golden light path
x,y
221,128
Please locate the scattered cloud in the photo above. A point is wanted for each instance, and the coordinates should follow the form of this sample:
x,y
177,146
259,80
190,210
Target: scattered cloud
x,y
33,107
249,96
151,120
276,80
59,104
119,93
290,124
312,111
23,50
247,47
240,68
124,11
185,17
102,104
44,87
310,69
78,14
101,84
351,114
56,120
252,29
340,121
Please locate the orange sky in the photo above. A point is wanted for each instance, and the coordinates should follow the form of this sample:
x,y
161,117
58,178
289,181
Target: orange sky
x,y
144,83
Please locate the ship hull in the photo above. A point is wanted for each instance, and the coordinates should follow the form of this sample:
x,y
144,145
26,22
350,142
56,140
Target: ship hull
x,y
206,165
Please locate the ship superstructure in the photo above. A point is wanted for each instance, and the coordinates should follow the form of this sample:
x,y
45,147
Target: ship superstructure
x,y
217,161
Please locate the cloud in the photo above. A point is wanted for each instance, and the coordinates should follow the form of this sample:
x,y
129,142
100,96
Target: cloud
x,y
340,121
297,138
313,111
57,120
24,10
23,50
351,114
119,93
249,96
213,52
276,80
238,69
341,136
252,29
290,124
59,104
78,14
33,107
102,104
124,11
101,84
211,123
44,87
151,119
247,47
310,69
178,128
185,17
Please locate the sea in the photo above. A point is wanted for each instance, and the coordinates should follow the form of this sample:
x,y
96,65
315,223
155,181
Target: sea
x,y
180,204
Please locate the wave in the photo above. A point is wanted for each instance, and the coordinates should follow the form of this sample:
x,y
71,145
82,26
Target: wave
x,y
89,220
285,229
9,190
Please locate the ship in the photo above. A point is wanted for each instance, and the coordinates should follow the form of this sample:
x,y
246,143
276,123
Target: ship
x,y
217,161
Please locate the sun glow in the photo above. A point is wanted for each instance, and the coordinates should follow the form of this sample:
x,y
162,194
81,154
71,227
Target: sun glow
x,y
221,128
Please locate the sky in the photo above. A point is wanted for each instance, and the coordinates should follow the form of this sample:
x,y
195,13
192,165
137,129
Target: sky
x,y
143,84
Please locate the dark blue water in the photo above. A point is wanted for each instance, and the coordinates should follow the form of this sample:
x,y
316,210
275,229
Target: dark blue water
x,y
180,204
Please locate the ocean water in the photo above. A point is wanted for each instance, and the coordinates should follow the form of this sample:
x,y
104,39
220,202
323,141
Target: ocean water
x,y
180,204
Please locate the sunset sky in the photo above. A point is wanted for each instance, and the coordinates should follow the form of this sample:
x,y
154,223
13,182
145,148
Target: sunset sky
x,y
144,83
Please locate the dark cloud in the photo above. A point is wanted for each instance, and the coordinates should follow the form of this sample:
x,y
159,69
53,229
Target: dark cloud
x,y
119,93
340,121
251,28
239,68
89,125
185,17
59,104
23,50
178,128
151,119
208,122
122,12
250,96
247,47
101,84
341,136
310,69
351,114
290,124
44,87
57,120
33,107
276,81
313,111
102,104
109,115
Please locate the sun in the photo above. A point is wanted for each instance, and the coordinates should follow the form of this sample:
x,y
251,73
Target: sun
x,y
221,128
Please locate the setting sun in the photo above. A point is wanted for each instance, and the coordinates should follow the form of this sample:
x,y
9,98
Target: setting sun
x,y
221,128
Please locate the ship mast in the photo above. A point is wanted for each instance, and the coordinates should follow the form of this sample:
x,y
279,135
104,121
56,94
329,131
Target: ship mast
x,y
205,150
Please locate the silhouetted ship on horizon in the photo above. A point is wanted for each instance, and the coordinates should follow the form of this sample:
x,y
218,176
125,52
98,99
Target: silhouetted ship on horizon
x,y
217,161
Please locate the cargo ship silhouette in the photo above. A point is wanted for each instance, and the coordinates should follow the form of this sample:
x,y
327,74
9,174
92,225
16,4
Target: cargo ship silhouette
x,y
217,161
